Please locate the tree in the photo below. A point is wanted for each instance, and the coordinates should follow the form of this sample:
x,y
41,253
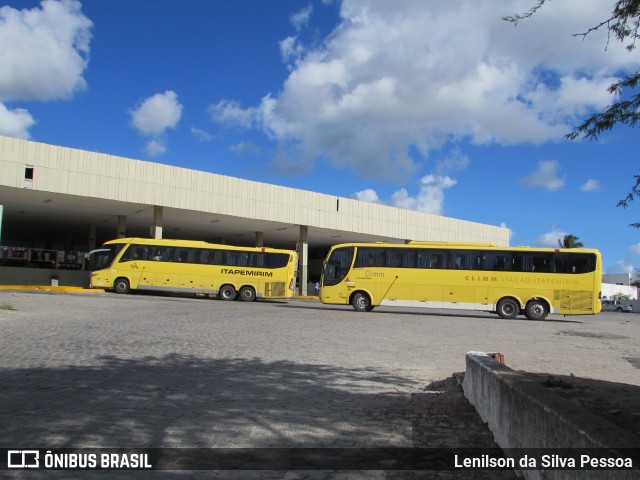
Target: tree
x,y
570,241
624,25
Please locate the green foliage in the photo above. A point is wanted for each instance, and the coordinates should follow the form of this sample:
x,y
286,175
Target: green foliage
x,y
7,306
570,241
621,296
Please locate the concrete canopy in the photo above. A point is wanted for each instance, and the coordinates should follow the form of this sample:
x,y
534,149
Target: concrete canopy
x,y
47,189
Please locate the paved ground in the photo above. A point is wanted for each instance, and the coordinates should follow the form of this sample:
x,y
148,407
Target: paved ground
x,y
81,370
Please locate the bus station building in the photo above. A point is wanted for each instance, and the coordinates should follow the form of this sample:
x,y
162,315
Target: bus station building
x,y
58,203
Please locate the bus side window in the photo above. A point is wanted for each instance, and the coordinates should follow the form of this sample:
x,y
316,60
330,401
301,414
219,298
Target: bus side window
x,y
180,255
370,257
242,259
213,257
256,260
422,260
276,260
581,262
394,257
561,263
161,254
438,259
497,261
541,262
192,255
134,252
409,259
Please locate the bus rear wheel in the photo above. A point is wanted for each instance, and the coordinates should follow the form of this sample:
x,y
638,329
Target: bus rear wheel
x,y
508,308
121,285
536,310
247,294
227,292
361,302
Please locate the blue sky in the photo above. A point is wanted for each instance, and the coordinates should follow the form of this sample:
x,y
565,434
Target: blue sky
x,y
435,106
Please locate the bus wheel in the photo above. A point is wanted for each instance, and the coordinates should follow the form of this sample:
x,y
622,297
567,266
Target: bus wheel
x,y
536,310
361,302
508,308
121,285
227,292
247,294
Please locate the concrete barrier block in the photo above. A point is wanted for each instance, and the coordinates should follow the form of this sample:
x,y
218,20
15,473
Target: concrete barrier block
x,y
521,414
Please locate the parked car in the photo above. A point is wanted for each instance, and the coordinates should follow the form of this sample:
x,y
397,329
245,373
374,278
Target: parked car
x,y
616,306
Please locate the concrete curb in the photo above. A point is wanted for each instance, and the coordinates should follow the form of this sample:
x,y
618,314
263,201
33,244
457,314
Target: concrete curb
x,y
521,414
51,288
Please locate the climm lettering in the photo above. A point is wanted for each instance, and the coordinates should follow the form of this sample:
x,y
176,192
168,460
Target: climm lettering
x,y
480,278
230,271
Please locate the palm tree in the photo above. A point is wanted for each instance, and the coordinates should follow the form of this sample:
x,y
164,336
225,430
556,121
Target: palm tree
x,y
570,241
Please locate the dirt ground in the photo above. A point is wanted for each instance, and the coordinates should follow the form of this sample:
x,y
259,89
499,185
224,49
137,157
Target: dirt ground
x,y
618,403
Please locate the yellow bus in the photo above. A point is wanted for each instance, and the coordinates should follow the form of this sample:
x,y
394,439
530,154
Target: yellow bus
x,y
471,276
193,267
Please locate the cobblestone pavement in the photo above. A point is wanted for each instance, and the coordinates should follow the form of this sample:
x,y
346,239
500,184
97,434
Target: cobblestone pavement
x,y
102,370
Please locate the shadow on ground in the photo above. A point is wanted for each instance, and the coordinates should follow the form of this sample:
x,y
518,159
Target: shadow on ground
x,y
183,401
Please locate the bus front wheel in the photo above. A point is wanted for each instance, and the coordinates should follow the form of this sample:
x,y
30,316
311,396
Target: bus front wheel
x,y
227,292
508,308
536,310
247,294
121,285
361,302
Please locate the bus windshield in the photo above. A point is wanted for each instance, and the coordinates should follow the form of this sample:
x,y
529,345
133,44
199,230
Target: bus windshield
x,y
103,257
337,266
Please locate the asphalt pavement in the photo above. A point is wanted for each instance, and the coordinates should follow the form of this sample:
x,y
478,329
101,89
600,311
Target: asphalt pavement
x,y
105,370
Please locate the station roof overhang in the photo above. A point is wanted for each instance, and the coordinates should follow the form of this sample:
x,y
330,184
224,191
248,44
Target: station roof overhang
x,y
27,212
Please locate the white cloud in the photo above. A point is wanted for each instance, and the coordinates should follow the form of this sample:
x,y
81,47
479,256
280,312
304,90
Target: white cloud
x,y
44,51
241,148
230,113
15,123
550,239
622,266
157,113
591,186
43,54
368,195
429,199
546,176
392,83
201,135
290,49
155,147
626,265
301,18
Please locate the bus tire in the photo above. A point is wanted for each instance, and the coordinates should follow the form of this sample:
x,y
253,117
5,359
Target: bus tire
x,y
227,292
361,302
247,294
536,309
508,308
121,285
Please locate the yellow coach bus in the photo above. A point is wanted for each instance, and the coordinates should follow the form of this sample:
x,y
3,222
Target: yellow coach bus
x,y
194,267
472,276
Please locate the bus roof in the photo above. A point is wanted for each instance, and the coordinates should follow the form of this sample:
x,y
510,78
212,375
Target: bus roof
x,y
463,245
171,242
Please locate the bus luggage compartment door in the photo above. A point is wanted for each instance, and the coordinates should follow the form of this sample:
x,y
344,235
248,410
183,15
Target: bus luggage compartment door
x,y
274,289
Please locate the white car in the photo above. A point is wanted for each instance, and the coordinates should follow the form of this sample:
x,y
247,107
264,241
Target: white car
x,y
616,306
